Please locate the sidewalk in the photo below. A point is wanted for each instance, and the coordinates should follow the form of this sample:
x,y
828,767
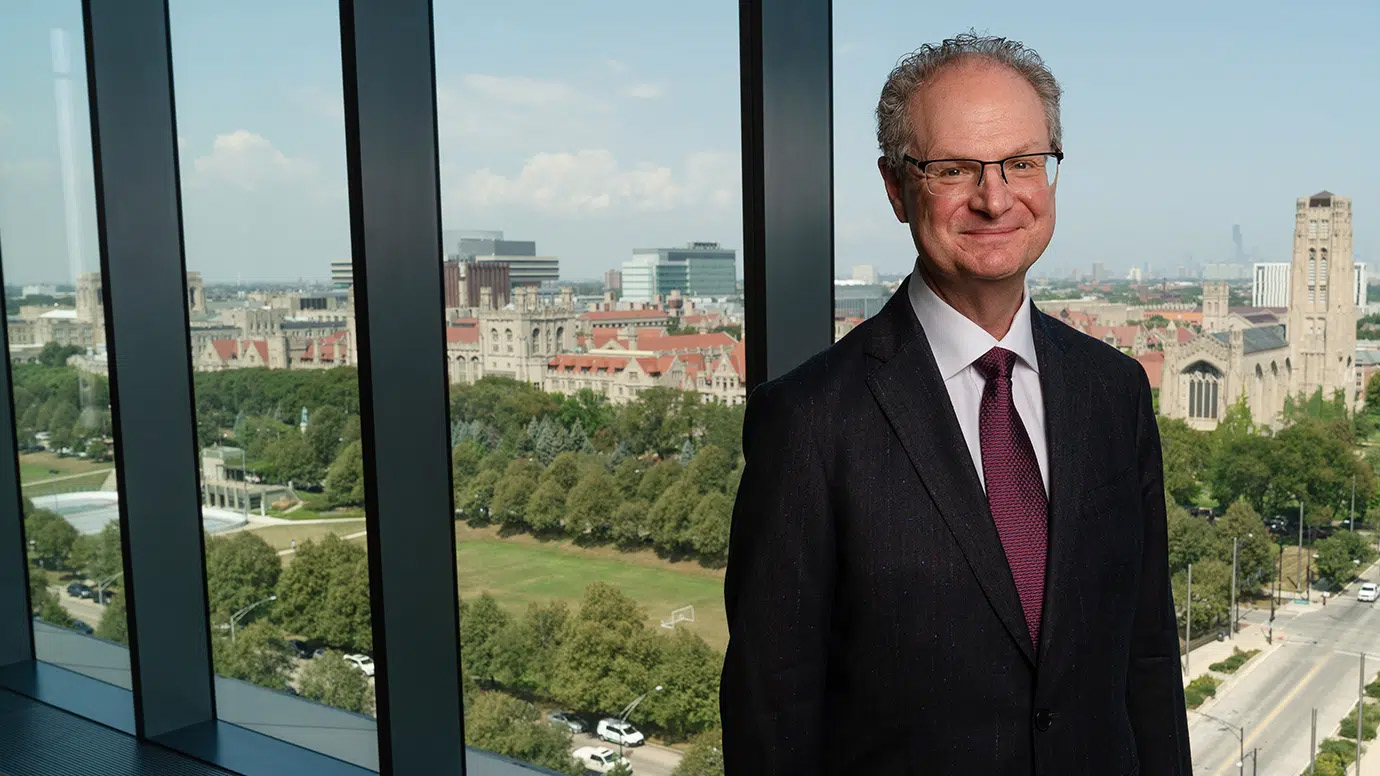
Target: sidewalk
x,y
1251,636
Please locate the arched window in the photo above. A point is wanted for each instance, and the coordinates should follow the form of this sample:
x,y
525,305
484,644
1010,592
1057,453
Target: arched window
x,y
1204,383
493,337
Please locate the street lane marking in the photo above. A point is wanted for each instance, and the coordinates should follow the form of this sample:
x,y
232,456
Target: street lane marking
x,y
1264,724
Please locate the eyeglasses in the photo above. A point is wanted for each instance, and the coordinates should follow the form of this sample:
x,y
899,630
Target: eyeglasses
x,y
962,177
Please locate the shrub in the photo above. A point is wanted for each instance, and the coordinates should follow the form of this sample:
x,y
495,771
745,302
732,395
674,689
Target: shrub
x,y
1238,658
1201,689
1372,716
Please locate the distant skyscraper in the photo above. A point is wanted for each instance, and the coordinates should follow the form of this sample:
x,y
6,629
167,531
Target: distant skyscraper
x,y
1270,284
1099,272
613,280
450,280
700,269
1134,275
865,273
342,274
1322,324
1240,246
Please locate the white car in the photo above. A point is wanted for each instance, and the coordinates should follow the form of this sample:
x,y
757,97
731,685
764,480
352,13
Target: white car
x,y
1368,592
363,662
600,759
615,731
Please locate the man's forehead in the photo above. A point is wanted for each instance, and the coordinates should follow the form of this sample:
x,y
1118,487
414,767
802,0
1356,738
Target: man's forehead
x,y
955,150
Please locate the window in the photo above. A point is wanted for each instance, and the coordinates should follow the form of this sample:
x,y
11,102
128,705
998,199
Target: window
x,y
278,413
57,341
544,134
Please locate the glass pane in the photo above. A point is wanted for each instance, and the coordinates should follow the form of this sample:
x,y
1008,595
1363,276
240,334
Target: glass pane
x,y
1263,380
266,220
591,214
56,330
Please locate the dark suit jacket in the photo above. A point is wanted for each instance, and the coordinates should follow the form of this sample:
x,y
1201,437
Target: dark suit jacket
x,y
874,624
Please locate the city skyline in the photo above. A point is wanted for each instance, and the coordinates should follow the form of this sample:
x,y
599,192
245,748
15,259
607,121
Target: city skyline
x,y
593,147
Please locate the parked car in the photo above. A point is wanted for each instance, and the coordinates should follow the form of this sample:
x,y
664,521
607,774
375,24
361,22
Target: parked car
x,y
300,649
600,759
318,652
362,662
80,590
567,719
1368,593
614,731
81,627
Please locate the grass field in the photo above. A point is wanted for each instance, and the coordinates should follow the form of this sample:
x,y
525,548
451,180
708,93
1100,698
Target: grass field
x,y
92,481
39,466
517,573
280,537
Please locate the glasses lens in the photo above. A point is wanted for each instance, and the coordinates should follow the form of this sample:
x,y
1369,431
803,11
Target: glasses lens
x,y
1036,171
952,178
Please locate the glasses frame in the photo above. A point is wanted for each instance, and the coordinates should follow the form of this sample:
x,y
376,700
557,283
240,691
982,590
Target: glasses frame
x,y
982,168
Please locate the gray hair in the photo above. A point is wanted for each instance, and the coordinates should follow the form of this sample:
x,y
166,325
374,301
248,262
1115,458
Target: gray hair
x,y
922,65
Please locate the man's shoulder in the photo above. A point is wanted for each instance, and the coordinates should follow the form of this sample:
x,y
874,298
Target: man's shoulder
x,y
1095,356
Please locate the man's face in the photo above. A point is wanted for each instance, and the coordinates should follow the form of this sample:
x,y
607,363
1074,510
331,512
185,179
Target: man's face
x,y
975,111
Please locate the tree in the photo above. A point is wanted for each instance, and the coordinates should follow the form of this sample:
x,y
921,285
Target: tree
x,y
1211,593
464,463
51,538
659,421
628,526
289,458
240,570
1244,467
345,480
330,680
510,727
591,504
545,508
1255,555
709,525
97,450
55,355
689,673
709,470
258,655
1186,453
114,625
325,427
705,756
324,594
52,613
669,520
481,622
658,479
512,492
607,656
473,502
525,649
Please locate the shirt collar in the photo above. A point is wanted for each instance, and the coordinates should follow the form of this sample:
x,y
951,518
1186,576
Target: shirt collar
x,y
956,341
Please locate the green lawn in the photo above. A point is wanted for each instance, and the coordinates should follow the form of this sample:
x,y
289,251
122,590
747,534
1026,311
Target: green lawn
x,y
280,537
92,481
39,466
519,573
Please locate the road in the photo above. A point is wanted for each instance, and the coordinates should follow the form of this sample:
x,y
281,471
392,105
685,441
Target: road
x,y
647,760
84,609
1317,667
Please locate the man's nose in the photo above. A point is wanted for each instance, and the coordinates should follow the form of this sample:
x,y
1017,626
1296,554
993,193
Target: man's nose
x,y
992,196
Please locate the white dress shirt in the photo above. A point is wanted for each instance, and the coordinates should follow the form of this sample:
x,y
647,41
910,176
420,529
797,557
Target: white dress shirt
x,y
957,342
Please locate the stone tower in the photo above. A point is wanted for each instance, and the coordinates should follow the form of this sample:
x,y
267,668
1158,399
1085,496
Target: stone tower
x,y
1216,306
1322,310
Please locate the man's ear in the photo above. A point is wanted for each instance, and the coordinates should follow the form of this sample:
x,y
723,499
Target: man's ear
x,y
895,188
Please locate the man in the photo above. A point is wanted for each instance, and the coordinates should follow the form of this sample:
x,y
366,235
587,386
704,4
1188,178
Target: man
x,y
949,553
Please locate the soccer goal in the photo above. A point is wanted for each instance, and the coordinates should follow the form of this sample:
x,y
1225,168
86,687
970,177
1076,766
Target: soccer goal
x,y
683,614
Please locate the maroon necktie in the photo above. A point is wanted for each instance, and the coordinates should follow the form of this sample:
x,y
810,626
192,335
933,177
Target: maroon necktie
x,y
1015,490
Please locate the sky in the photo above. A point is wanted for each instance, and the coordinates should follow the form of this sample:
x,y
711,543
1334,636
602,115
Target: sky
x,y
598,128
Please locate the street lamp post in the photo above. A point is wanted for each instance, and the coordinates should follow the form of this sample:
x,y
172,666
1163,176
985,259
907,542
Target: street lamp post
x,y
1240,739
234,618
623,718
100,589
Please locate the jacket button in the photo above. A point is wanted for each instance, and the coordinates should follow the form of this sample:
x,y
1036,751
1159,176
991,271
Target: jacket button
x,y
1043,719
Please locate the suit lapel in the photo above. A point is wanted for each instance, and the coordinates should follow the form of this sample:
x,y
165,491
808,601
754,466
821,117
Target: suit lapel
x,y
1066,395
906,384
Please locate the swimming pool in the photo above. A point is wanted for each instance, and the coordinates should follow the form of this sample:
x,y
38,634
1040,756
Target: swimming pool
x,y
89,511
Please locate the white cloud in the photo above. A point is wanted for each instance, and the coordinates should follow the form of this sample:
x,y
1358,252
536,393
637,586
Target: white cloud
x,y
645,91
520,90
615,65
248,160
592,182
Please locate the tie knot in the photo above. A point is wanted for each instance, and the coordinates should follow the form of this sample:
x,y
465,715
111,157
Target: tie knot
x,y
996,363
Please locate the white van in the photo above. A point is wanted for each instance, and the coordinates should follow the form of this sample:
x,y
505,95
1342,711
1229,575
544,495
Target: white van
x,y
612,730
